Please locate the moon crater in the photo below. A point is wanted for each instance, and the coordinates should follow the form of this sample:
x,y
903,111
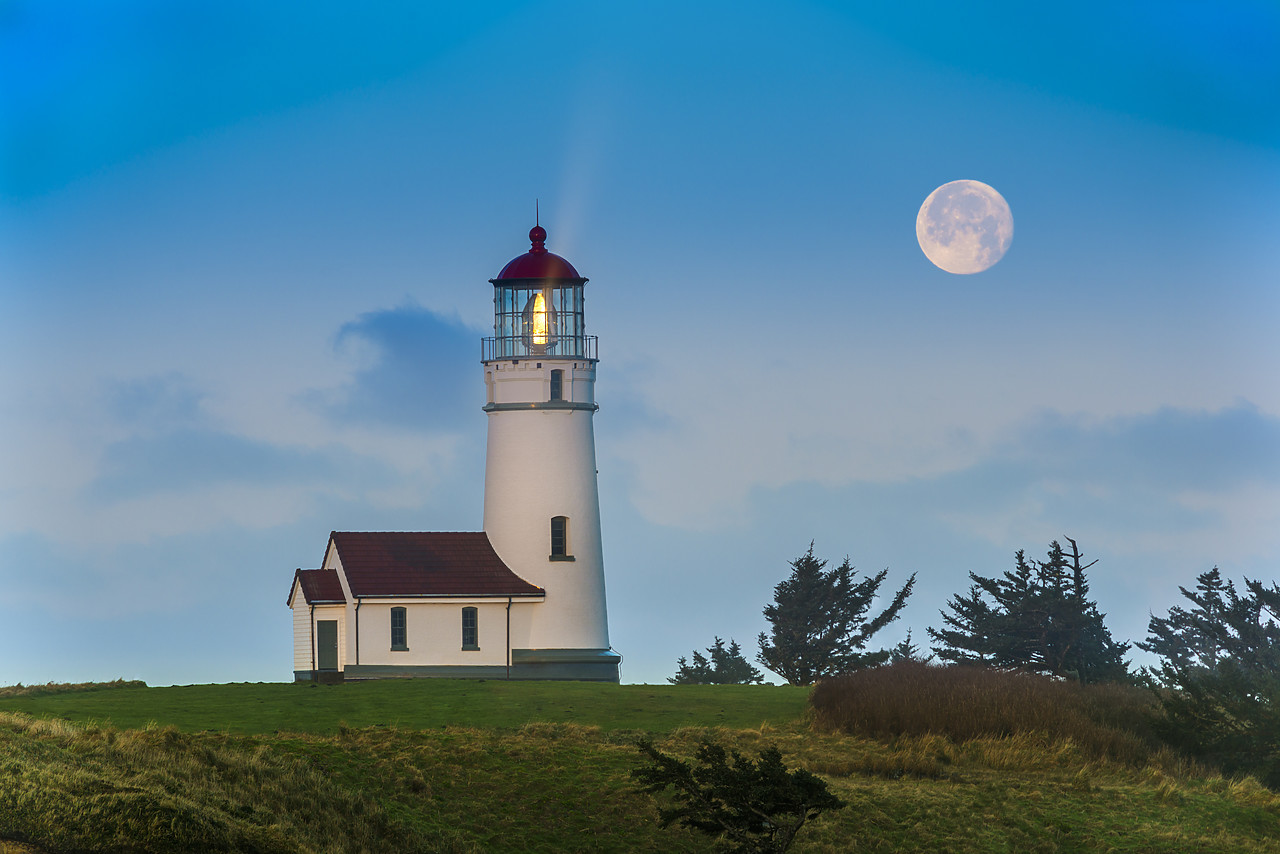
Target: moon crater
x,y
964,227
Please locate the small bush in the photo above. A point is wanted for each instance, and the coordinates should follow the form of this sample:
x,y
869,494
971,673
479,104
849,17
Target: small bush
x,y
963,703
757,807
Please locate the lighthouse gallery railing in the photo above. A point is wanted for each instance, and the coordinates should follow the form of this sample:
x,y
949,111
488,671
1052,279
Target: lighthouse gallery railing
x,y
518,347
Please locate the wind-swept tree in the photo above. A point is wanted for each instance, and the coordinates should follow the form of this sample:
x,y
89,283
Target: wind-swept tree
x,y
819,620
1219,674
1038,617
726,666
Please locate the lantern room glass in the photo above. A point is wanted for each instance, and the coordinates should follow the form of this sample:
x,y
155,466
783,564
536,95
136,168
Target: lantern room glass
x,y
538,317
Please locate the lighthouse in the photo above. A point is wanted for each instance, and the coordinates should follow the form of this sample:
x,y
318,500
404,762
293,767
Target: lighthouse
x,y
541,499
524,598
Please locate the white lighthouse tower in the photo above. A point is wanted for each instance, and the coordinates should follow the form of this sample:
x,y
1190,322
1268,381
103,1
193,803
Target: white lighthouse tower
x,y
541,501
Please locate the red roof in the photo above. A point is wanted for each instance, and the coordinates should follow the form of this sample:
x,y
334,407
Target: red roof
x,y
404,563
319,585
538,263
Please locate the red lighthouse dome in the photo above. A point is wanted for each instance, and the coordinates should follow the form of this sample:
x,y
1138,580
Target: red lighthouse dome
x,y
538,263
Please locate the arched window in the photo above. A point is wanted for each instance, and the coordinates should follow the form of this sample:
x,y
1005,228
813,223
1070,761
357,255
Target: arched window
x,y
557,384
560,538
470,628
399,633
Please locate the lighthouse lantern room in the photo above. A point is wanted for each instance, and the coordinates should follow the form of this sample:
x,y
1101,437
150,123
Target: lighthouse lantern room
x,y
537,307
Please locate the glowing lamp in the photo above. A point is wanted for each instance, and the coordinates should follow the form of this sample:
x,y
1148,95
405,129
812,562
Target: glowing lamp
x,y
538,322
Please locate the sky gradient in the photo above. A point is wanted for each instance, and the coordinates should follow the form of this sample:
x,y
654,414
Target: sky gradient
x,y
244,254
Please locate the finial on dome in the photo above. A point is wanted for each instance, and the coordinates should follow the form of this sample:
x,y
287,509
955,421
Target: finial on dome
x,y
537,236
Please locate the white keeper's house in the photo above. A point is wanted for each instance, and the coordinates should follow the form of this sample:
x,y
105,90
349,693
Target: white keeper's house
x,y
523,598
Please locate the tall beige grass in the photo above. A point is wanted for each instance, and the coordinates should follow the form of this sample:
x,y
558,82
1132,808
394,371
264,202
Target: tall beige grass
x,y
964,703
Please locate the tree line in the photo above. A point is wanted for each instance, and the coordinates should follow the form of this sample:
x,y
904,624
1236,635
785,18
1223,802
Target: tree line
x,y
1217,680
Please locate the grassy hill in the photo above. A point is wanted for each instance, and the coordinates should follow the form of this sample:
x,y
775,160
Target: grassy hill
x,y
437,765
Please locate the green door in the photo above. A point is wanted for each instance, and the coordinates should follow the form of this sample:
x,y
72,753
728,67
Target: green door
x,y
327,644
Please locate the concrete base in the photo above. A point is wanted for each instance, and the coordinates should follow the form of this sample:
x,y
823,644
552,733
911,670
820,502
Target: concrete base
x,y
582,665
571,665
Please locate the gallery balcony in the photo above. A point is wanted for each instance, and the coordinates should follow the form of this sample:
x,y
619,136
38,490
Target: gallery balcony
x,y
530,347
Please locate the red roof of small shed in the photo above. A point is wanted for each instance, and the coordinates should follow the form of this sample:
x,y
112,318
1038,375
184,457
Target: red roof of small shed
x,y
320,585
408,563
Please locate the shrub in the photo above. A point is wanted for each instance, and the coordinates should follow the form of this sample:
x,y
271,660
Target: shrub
x,y
757,806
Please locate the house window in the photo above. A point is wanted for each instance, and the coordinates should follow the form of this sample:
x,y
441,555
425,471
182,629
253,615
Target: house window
x,y
557,384
560,538
398,634
470,629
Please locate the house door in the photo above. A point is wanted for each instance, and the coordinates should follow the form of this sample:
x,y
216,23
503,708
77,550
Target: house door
x,y
327,644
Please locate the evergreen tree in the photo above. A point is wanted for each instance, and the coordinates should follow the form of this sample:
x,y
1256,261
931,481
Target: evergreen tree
x,y
697,673
819,621
967,634
1037,617
1219,675
726,667
907,650
730,667
1195,639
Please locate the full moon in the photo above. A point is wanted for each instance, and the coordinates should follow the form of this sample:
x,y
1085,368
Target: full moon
x,y
964,227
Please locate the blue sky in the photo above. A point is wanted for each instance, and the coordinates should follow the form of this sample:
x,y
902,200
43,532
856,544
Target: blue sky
x,y
244,253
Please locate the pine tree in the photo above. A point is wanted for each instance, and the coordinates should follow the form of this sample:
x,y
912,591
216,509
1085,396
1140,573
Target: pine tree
x,y
698,673
726,667
1219,675
908,650
1037,617
1195,638
819,621
730,667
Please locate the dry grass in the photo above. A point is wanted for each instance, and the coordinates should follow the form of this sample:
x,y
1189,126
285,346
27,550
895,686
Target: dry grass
x,y
964,703
70,787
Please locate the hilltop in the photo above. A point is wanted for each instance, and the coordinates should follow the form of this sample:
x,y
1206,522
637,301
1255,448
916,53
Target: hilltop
x,y
437,765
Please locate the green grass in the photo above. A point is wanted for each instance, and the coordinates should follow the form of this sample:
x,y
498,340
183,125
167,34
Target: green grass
x,y
419,704
472,766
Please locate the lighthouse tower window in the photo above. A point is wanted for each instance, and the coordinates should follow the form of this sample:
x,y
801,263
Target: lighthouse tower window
x,y
470,629
557,384
560,538
398,624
